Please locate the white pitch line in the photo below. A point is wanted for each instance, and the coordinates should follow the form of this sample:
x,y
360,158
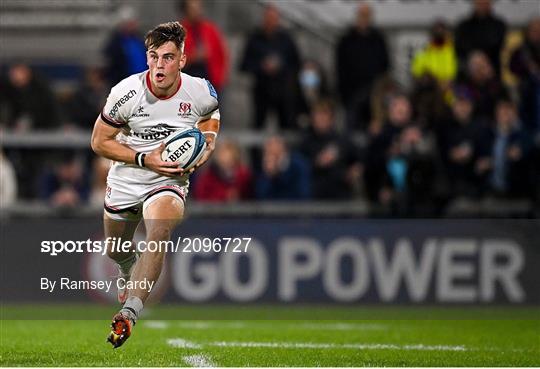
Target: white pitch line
x,y
342,326
212,325
197,325
315,325
309,345
182,343
198,361
156,324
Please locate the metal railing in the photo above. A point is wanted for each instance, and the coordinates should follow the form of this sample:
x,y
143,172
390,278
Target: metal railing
x,y
81,139
459,208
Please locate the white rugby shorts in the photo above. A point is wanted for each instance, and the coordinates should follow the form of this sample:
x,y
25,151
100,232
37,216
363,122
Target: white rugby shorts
x,y
128,202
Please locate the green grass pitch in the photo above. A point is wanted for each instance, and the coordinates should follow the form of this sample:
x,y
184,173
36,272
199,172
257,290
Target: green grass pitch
x,y
273,336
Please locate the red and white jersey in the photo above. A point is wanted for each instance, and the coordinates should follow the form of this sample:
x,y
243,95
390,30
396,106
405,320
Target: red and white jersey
x,y
146,120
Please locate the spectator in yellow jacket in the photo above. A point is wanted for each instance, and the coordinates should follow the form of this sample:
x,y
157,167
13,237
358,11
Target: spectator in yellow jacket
x,y
438,59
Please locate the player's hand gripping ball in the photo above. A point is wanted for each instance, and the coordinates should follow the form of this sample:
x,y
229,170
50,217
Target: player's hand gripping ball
x,y
185,148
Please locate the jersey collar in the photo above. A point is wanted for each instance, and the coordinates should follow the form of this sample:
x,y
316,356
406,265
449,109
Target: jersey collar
x,y
149,85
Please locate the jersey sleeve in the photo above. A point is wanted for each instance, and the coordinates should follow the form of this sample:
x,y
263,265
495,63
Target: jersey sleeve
x,y
117,109
208,105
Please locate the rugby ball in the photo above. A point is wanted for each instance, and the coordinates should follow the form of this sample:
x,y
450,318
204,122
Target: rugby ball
x,y
184,148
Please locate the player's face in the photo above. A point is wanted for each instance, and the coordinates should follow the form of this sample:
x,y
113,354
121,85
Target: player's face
x,y
165,63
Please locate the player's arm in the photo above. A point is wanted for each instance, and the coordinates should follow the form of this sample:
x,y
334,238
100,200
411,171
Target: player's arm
x,y
104,143
210,129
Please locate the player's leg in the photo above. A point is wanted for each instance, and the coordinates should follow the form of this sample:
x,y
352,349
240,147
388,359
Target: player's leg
x,y
163,210
121,227
161,216
123,211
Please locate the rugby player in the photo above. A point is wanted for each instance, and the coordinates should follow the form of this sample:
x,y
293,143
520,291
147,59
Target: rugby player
x,y
141,111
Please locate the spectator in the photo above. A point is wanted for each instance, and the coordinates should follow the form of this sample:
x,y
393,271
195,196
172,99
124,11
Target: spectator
x,y
205,46
86,103
361,58
502,165
383,91
28,101
8,182
226,179
272,57
525,64
399,113
413,184
313,85
65,185
483,84
456,141
284,175
438,58
483,31
430,101
434,69
124,51
335,160
402,172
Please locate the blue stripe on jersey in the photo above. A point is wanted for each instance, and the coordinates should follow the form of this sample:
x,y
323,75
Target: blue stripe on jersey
x,y
213,92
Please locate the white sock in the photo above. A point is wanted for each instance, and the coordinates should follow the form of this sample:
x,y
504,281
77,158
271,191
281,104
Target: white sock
x,y
132,308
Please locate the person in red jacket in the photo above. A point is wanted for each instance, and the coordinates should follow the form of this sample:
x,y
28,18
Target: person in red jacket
x,y
205,47
227,179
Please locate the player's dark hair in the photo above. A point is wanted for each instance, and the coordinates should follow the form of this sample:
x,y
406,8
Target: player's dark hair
x,y
170,31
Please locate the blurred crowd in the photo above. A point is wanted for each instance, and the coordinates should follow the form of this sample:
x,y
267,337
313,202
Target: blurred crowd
x,y
459,131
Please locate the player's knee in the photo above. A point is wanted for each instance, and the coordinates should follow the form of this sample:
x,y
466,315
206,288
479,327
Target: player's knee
x,y
165,208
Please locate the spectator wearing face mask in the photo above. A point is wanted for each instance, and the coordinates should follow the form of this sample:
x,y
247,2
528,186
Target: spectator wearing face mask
x,y
313,87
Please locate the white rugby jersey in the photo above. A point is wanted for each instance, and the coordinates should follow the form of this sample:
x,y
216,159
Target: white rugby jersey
x,y
146,120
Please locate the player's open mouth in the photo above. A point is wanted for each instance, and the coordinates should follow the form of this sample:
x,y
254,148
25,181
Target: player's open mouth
x,y
160,77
